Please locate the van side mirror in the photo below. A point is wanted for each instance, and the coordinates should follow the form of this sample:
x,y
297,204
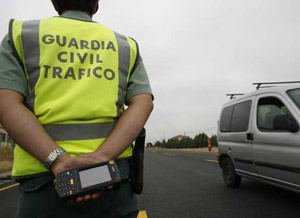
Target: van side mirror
x,y
283,122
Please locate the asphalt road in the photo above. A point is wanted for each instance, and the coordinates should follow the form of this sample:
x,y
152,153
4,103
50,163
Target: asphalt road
x,y
8,199
190,185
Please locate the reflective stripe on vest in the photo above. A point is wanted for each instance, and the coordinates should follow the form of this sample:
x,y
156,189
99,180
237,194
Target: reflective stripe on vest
x,y
81,131
31,51
124,62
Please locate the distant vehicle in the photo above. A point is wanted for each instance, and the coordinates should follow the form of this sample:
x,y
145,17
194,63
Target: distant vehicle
x,y
259,137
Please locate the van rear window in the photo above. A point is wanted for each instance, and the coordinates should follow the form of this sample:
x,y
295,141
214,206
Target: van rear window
x,y
226,119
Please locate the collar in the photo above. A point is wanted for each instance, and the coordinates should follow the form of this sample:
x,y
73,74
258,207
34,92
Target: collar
x,y
78,15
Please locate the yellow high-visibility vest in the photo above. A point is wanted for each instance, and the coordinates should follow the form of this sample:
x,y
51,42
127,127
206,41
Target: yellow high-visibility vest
x,y
77,73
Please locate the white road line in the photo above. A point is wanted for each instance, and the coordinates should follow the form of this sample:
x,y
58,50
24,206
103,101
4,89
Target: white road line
x,y
215,161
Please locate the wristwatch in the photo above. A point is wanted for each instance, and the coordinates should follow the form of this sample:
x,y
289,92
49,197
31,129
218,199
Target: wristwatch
x,y
52,157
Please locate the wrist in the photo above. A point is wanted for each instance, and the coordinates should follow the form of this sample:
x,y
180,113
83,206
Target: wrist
x,y
102,156
58,165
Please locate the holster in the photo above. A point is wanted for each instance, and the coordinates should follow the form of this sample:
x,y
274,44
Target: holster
x,y
137,163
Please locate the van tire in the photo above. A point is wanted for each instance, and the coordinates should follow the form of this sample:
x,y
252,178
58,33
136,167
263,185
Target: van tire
x,y
229,175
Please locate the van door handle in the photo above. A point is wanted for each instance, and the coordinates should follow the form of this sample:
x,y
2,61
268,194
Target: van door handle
x,y
250,136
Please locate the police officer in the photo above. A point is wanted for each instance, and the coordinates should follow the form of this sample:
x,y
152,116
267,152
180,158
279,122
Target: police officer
x,y
64,82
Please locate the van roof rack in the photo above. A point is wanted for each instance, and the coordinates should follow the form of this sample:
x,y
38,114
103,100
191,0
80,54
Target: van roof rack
x,y
259,85
232,96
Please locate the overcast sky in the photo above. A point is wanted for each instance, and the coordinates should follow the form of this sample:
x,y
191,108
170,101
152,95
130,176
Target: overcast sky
x,y
196,51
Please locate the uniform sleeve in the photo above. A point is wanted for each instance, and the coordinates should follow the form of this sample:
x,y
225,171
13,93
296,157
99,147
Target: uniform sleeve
x,y
138,82
12,75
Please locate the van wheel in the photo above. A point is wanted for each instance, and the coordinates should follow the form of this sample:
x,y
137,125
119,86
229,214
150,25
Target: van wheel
x,y
230,177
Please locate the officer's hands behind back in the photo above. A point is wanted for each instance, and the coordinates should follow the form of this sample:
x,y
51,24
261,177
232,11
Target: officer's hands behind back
x,y
65,162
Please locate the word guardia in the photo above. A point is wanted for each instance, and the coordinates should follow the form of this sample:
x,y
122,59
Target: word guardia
x,y
78,44
87,60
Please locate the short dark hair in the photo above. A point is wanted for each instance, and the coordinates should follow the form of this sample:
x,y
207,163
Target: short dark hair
x,y
77,5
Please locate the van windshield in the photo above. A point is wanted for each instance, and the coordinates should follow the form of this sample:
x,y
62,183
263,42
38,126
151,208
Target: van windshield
x,y
295,96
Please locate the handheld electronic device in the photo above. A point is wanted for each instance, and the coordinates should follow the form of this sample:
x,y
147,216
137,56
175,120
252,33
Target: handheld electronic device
x,y
87,180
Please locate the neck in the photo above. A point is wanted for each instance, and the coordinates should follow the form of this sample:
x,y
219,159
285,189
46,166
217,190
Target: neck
x,y
90,15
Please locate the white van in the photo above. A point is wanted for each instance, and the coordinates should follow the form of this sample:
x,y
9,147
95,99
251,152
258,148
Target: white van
x,y
259,137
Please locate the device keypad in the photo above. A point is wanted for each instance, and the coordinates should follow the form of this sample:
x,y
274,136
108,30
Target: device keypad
x,y
66,184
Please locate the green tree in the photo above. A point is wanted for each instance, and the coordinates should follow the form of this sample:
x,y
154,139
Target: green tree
x,y
163,144
204,142
149,145
197,141
214,141
189,143
173,143
181,143
157,144
169,143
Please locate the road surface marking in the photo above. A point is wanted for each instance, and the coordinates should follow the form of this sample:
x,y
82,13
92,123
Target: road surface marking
x,y
142,214
215,161
169,154
8,187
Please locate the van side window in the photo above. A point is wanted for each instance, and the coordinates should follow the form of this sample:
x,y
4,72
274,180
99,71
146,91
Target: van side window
x,y
268,108
236,118
240,117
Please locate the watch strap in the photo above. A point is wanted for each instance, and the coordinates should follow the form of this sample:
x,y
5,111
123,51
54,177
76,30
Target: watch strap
x,y
52,157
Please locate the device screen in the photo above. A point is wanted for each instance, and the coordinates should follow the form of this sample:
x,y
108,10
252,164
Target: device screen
x,y
94,176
